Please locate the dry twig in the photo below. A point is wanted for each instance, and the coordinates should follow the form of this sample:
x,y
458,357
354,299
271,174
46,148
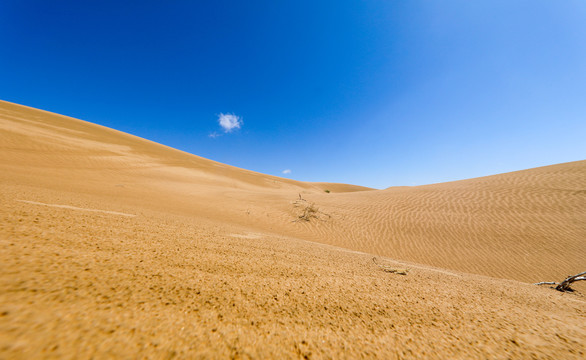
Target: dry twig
x,y
389,269
565,285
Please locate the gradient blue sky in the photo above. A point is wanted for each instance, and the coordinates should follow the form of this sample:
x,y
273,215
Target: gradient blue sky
x,y
375,93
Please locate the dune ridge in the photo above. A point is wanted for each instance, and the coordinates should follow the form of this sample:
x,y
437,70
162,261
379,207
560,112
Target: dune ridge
x,y
524,225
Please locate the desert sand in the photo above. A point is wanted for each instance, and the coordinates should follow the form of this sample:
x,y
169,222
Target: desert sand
x,y
113,246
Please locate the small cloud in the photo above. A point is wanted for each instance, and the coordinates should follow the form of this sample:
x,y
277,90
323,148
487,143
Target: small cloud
x,y
287,171
214,135
229,122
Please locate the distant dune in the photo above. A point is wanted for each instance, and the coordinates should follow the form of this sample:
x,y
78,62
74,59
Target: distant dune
x,y
113,245
525,225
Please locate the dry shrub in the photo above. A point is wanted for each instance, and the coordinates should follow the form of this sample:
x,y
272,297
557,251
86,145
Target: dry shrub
x,y
308,211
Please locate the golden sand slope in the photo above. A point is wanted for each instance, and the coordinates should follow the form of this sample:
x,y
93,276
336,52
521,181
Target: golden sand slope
x,y
525,225
112,245
528,225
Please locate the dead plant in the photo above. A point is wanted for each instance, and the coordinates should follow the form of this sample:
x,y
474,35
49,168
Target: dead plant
x,y
390,269
308,211
565,285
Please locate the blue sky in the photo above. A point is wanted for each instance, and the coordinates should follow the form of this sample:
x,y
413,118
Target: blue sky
x,y
375,93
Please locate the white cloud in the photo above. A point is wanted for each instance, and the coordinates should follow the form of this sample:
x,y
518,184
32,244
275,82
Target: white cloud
x,y
287,171
214,135
229,122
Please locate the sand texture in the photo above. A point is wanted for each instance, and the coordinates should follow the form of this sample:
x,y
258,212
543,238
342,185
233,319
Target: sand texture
x,y
112,246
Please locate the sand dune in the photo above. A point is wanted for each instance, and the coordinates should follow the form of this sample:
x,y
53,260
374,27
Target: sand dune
x,y
526,225
214,261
